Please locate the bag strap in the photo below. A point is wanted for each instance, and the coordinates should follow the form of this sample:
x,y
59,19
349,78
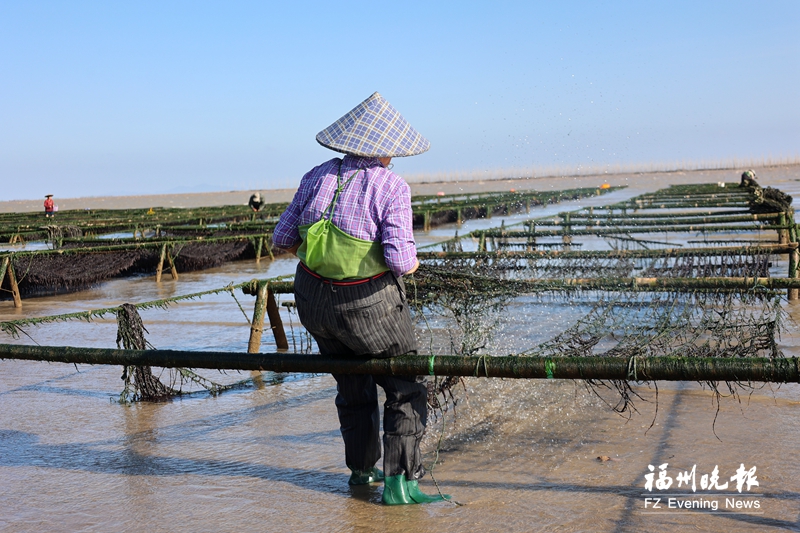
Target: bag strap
x,y
339,188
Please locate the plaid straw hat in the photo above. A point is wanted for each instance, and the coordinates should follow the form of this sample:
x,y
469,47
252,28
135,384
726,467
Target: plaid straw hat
x,y
373,129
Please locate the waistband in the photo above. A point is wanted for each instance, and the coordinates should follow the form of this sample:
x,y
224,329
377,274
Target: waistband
x,y
341,283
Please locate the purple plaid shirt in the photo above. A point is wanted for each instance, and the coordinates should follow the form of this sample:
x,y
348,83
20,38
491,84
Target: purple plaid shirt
x,y
374,206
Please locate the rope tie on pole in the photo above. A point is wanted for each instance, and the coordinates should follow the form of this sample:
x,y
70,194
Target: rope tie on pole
x,y
481,359
549,367
632,369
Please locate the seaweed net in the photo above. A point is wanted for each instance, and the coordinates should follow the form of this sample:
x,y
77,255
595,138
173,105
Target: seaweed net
x,y
54,233
140,383
461,311
55,272
769,200
200,256
76,270
752,263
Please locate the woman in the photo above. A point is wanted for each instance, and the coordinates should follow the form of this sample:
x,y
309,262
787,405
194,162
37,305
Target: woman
x,y
49,206
350,223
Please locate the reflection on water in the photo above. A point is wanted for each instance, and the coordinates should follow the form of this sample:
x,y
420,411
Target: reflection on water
x,y
520,455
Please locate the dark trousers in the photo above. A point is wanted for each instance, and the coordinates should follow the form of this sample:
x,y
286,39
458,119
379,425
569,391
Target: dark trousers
x,y
372,320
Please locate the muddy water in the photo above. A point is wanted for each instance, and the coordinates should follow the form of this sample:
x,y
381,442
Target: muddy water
x,y
518,455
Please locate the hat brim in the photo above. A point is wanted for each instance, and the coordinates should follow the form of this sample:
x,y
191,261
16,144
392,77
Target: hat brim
x,y
373,129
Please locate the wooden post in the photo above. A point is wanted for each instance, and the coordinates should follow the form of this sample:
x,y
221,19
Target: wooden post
x,y
794,257
275,322
3,268
459,217
160,267
566,238
257,325
259,245
783,234
12,279
269,250
426,221
173,270
530,241
482,242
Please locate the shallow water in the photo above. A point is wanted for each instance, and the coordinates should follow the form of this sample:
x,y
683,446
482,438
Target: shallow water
x,y
518,455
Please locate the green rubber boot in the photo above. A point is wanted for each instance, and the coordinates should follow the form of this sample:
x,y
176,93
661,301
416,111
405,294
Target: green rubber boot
x,y
395,491
365,477
418,496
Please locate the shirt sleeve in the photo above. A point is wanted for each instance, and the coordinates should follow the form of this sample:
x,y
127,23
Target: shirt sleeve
x,y
286,233
397,232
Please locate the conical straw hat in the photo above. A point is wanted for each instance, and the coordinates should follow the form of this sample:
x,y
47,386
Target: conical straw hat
x,y
373,129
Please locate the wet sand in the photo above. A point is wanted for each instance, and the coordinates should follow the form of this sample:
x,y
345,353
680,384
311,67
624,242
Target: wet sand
x,y
518,455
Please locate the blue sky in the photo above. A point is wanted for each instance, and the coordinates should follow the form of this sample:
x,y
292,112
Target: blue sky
x,y
102,98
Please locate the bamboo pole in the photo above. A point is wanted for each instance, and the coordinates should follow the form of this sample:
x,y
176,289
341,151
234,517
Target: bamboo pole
x,y
613,230
783,232
257,325
173,270
614,221
275,322
140,245
160,267
3,268
794,256
703,217
269,250
12,279
777,370
744,284
615,254
566,238
259,245
641,284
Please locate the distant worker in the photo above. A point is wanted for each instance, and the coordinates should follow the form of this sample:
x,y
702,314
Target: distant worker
x,y
49,206
350,225
748,179
256,202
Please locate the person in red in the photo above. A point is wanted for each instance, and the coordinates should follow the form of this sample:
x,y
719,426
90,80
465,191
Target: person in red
x,y
49,206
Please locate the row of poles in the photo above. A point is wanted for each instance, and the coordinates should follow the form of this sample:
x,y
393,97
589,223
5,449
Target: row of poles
x,y
166,248
632,368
